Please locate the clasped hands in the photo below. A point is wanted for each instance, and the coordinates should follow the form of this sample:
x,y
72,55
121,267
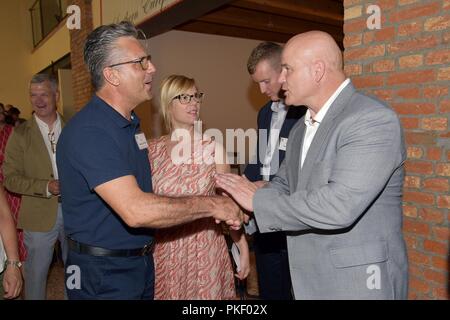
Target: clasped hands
x,y
242,191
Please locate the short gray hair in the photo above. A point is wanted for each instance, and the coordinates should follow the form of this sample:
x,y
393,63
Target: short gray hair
x,y
99,46
269,51
42,77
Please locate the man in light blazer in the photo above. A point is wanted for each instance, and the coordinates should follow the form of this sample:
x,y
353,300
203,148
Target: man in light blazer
x,y
338,193
30,170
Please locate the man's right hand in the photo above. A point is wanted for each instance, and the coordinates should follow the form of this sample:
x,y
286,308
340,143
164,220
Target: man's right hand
x,y
239,187
260,183
53,187
228,211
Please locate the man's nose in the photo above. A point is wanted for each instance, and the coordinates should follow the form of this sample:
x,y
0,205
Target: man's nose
x,y
151,68
282,77
263,88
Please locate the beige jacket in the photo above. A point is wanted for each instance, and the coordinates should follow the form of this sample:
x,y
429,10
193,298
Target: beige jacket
x,y
27,169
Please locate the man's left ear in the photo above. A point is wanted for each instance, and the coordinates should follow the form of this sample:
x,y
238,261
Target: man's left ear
x,y
319,70
57,96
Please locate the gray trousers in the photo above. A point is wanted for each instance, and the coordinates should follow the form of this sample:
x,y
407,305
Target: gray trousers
x,y
40,246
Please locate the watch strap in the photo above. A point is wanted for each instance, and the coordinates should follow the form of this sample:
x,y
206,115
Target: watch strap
x,y
14,263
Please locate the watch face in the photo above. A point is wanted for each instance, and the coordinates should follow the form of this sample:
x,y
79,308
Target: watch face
x,y
17,264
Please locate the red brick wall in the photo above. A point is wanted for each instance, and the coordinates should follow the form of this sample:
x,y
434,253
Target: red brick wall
x,y
407,64
81,80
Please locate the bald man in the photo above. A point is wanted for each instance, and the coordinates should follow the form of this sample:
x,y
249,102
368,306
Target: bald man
x,y
338,192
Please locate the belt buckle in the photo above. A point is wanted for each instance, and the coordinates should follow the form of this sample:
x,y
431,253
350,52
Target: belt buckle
x,y
147,248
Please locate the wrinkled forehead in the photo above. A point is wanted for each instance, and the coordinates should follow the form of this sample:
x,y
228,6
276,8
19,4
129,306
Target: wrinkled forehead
x,y
288,55
41,86
297,53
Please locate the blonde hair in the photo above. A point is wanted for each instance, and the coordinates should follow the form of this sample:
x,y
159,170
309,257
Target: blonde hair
x,y
171,87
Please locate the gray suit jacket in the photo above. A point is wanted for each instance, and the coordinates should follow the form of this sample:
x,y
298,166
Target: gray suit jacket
x,y
343,209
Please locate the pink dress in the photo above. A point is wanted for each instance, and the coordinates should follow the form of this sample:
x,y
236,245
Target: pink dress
x,y
191,260
12,198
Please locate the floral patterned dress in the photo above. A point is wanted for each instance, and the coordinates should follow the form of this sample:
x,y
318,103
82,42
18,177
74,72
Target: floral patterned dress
x,y
191,260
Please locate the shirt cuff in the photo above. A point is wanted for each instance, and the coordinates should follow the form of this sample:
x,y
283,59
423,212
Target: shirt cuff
x,y
48,192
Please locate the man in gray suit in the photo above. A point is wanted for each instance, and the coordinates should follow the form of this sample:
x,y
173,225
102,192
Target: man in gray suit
x,y
338,192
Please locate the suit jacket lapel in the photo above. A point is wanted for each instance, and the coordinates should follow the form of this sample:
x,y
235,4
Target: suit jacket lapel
x,y
267,122
287,124
296,153
63,122
322,133
38,140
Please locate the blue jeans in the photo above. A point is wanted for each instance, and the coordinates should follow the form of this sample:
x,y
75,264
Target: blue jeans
x,y
125,278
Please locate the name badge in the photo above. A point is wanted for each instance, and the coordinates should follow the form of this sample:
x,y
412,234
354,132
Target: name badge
x,y
141,141
283,144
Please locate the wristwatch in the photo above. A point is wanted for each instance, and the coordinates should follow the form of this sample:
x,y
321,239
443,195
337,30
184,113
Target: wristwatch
x,y
13,263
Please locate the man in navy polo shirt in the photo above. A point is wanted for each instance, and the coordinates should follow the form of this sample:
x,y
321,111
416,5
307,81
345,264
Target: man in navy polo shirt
x,y
105,177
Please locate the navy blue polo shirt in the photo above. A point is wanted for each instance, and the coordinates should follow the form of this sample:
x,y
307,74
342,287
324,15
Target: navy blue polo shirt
x,y
96,146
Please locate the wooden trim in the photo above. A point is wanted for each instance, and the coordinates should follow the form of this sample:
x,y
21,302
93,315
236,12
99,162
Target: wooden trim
x,y
55,29
323,11
181,12
250,19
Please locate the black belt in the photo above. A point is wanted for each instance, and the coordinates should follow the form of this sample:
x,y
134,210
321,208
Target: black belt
x,y
59,199
102,252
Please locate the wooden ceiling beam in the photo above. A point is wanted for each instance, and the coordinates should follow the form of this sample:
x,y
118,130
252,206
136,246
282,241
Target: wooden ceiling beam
x,y
324,11
181,12
232,31
249,19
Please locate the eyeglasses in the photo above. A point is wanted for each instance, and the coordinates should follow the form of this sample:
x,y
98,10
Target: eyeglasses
x,y
51,138
144,62
186,98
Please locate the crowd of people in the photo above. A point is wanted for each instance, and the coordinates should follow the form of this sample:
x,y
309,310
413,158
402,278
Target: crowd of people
x,y
11,115
322,201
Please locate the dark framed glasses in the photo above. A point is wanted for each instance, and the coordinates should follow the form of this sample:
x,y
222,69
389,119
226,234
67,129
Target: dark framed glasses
x,y
187,98
144,62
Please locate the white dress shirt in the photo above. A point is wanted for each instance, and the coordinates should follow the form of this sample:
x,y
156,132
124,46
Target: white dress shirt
x,y
312,125
271,164
50,137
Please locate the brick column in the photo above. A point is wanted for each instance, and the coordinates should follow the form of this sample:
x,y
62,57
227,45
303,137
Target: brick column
x,y
81,80
407,64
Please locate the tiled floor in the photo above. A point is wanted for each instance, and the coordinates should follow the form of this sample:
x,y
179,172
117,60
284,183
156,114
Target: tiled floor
x,y
55,285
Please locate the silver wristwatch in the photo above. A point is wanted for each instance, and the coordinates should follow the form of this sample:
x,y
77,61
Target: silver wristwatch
x,y
13,263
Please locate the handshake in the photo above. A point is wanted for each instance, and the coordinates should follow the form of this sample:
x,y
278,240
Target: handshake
x,y
242,191
228,211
